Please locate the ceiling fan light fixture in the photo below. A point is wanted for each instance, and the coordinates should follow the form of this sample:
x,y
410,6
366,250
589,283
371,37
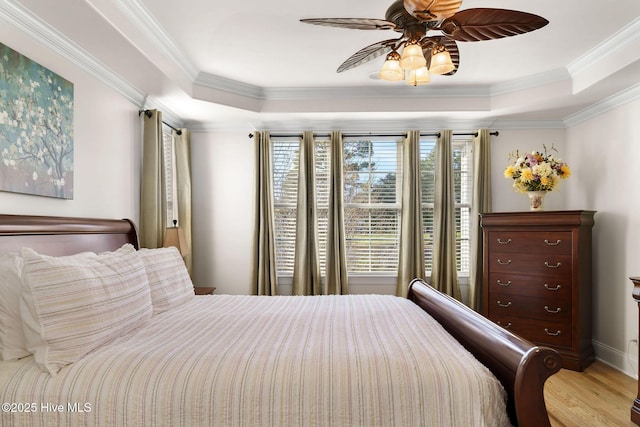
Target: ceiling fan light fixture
x,y
412,57
391,70
441,61
419,76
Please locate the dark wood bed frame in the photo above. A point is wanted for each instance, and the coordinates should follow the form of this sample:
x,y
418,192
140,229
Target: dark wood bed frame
x,y
520,366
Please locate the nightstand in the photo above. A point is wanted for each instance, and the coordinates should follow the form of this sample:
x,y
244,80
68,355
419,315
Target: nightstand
x,y
204,290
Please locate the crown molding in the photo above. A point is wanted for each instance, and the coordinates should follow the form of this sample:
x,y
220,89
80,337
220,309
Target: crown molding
x,y
530,82
25,20
601,107
617,42
234,87
146,23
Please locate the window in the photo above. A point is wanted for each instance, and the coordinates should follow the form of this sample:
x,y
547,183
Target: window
x,y
168,155
286,155
372,197
372,201
462,175
285,196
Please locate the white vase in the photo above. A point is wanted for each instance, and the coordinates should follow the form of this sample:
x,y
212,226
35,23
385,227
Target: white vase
x,y
536,200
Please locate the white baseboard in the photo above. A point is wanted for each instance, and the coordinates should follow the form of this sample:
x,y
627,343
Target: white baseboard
x,y
626,363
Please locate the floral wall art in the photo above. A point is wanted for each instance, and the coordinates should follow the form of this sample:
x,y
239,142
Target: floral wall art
x,y
36,128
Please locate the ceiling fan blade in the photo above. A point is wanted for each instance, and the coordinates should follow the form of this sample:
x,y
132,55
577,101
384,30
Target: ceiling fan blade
x,y
432,10
367,54
487,24
353,23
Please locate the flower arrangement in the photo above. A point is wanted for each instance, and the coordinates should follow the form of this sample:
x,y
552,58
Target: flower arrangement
x,y
536,171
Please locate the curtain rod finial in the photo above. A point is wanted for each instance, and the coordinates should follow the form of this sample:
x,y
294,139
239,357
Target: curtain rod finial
x,y
250,135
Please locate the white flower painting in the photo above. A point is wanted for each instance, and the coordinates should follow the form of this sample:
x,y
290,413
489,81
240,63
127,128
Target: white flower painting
x,y
36,128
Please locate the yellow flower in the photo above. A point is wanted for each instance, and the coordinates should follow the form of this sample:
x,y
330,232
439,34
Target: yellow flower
x,y
509,172
546,181
527,175
566,172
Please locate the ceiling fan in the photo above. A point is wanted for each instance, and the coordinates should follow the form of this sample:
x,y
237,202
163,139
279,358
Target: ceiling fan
x,y
430,30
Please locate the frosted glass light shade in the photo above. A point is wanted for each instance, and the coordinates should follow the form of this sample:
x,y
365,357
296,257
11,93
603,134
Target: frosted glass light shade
x,y
391,70
419,76
441,61
412,57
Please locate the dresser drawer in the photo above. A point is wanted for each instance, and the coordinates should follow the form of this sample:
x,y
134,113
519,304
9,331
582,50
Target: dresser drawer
x,y
539,332
545,242
530,308
553,288
532,263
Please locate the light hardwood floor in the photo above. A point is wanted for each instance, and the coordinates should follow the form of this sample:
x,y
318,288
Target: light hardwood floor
x,y
599,396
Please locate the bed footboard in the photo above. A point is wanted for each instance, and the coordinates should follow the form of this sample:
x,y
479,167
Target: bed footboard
x,y
519,365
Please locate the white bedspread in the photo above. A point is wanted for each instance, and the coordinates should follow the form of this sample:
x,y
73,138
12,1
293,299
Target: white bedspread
x,y
360,360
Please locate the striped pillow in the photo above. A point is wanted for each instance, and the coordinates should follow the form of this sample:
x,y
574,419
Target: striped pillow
x,y
71,305
168,277
12,342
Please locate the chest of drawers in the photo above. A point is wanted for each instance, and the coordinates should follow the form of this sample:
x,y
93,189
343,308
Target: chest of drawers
x,y
537,279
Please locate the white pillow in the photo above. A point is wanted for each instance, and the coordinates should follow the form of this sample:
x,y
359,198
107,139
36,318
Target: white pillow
x,y
168,277
12,341
71,305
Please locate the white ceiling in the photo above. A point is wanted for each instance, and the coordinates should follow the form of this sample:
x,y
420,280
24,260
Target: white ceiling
x,y
213,61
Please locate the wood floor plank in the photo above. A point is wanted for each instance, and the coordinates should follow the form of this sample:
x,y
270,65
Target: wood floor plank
x,y
599,396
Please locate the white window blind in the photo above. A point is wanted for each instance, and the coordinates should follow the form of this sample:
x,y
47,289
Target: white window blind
x,y
372,196
168,154
285,195
286,156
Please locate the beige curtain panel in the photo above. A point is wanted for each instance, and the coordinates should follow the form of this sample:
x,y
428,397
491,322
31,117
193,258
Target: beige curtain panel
x,y
336,264
264,258
411,263
306,270
481,203
152,200
444,275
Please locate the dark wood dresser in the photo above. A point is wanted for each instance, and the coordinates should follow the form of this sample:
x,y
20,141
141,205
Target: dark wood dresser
x,y
537,279
635,408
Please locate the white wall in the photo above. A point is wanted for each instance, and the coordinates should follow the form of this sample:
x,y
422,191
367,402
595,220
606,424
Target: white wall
x,y
605,150
223,196
106,145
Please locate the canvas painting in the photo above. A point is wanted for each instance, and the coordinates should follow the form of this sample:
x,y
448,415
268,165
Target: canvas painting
x,y
36,128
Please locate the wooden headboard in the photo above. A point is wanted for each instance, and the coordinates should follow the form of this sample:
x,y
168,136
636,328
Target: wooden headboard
x,y
58,236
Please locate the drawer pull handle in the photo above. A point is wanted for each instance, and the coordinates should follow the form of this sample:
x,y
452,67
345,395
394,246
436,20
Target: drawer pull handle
x,y
504,304
549,288
507,262
507,326
503,284
553,334
556,310
503,242
552,266
556,243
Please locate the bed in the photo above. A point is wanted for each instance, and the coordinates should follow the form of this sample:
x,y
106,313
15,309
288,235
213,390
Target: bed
x,y
181,359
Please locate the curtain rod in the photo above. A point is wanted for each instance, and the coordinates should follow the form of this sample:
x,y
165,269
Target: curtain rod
x,y
364,135
148,114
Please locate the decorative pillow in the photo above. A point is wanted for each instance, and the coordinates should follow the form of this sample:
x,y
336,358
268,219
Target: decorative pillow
x,y
12,341
168,277
72,305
